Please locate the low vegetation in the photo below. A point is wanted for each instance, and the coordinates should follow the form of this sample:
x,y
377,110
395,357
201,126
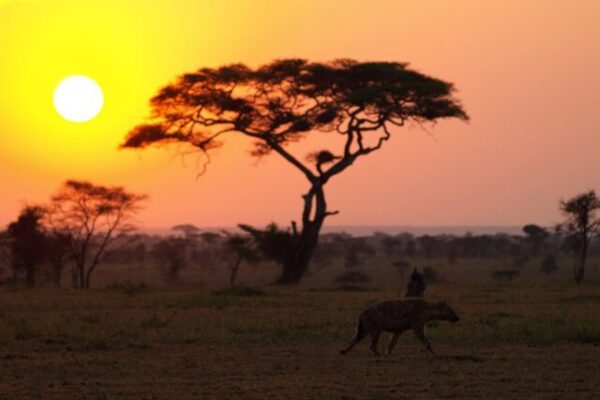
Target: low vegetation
x,y
189,342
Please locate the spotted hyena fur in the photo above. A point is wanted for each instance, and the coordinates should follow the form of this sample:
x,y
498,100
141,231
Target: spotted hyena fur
x,y
397,316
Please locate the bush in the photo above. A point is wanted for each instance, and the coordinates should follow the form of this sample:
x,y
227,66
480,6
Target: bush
x,y
353,278
549,265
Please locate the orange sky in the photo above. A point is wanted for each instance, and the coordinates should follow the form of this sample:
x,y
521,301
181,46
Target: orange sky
x,y
526,71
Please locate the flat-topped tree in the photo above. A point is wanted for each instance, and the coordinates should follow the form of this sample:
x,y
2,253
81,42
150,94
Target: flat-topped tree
x,y
289,100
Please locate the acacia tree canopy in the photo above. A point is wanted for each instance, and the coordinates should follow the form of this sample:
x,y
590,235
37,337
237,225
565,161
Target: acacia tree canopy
x,y
582,223
286,100
289,100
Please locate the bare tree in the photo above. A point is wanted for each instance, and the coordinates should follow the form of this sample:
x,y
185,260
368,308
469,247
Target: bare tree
x,y
289,100
582,223
242,249
93,216
58,245
171,255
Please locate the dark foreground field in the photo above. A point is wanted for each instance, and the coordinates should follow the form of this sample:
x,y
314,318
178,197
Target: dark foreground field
x,y
512,342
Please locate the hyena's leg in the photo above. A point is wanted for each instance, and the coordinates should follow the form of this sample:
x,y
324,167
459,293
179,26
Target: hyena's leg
x,y
361,332
418,330
393,341
375,335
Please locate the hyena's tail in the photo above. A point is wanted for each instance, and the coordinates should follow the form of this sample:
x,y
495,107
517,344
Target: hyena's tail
x,y
361,332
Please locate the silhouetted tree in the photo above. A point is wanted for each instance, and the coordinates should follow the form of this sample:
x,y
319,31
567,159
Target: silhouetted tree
x,y
171,255
289,100
28,241
325,253
535,237
392,246
242,249
356,250
272,243
93,216
582,223
549,265
5,253
58,245
411,248
139,254
209,251
188,230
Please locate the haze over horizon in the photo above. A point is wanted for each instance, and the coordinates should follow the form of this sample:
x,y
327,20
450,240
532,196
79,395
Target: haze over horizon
x,y
525,72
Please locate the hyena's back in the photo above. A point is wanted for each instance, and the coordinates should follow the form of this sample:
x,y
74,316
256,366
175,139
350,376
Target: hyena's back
x,y
394,315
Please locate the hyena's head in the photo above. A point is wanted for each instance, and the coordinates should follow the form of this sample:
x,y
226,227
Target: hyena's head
x,y
446,312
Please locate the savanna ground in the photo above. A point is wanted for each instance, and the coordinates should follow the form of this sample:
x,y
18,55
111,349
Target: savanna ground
x,y
518,340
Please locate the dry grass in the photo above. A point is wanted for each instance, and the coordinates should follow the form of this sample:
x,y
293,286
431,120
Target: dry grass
x,y
512,342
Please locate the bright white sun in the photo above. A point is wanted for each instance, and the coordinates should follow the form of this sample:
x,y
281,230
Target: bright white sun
x,y
78,98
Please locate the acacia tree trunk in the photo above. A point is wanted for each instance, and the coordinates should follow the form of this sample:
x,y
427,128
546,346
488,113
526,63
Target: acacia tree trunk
x,y
579,268
234,270
305,242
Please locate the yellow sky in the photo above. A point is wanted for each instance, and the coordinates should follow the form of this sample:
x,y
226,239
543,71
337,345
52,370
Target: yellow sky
x,y
525,70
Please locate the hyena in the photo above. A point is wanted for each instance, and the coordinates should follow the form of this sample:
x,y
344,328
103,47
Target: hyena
x,y
397,316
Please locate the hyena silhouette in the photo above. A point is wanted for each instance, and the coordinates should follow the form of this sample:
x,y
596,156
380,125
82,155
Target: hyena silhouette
x,y
397,316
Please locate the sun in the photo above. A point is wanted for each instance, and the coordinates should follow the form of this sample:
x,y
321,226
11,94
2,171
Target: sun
x,y
78,98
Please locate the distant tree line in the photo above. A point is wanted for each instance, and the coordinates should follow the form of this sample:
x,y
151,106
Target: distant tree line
x,y
86,225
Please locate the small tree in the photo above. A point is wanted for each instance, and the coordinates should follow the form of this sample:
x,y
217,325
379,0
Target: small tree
x,y
243,251
28,241
549,265
139,255
93,216
271,243
581,223
535,237
287,101
171,255
189,231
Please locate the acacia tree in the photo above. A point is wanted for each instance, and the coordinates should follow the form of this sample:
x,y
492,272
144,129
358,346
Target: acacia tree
x,y
93,217
171,253
582,223
535,236
289,100
242,250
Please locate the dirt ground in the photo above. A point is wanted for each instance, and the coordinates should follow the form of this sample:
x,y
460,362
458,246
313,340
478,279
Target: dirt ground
x,y
185,344
301,372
